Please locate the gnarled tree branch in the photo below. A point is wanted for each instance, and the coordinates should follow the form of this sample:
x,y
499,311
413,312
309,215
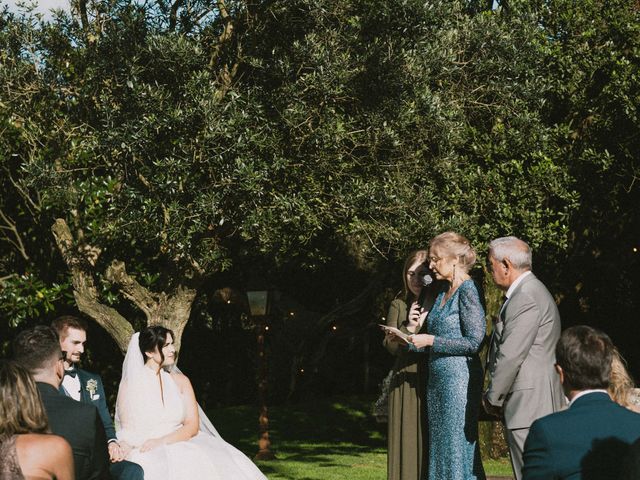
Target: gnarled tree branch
x,y
16,241
140,296
85,291
170,310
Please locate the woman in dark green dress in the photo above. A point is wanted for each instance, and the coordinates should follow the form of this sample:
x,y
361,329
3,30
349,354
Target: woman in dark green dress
x,y
407,434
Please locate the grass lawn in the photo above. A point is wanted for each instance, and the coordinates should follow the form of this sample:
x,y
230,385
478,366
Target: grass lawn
x,y
329,439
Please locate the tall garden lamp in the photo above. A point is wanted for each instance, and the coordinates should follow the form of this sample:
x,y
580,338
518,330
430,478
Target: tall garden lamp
x,y
259,306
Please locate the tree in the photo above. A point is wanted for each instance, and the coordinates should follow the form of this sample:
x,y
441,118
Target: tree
x,y
170,150
594,69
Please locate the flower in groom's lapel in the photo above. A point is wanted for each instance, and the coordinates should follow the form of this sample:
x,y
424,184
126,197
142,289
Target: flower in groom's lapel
x,y
92,387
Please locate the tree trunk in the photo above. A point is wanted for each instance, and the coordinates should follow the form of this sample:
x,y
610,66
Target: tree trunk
x,y
85,291
171,311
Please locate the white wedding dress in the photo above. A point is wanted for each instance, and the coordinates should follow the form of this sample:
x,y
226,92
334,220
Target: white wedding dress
x,y
144,411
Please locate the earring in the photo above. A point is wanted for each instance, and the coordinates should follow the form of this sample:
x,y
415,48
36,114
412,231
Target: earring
x,y
454,273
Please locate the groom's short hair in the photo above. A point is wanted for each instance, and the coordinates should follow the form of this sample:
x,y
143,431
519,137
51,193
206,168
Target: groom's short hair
x,y
65,322
37,348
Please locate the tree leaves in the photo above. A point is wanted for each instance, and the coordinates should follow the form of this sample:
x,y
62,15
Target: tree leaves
x,y
174,138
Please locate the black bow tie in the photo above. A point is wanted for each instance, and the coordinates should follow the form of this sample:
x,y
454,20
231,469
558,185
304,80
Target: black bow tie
x,y
72,373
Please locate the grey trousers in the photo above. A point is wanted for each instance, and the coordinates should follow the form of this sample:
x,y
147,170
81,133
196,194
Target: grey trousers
x,y
515,441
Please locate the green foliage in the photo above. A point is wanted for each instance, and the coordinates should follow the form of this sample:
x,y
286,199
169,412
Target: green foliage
x,y
25,296
355,124
299,136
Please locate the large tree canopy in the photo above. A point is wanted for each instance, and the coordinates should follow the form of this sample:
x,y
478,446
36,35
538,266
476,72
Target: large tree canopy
x,y
168,142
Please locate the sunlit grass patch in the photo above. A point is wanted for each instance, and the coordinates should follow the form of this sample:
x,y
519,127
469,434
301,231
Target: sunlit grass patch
x,y
327,439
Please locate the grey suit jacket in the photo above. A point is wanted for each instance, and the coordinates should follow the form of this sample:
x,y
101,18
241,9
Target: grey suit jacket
x,y
522,377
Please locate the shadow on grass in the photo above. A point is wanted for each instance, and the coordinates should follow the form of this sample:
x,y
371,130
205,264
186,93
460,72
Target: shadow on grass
x,y
309,430
320,440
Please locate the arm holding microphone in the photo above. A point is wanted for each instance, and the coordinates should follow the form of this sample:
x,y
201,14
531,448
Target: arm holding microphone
x,y
417,312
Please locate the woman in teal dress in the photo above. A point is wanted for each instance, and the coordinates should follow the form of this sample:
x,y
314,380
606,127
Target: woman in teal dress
x,y
456,327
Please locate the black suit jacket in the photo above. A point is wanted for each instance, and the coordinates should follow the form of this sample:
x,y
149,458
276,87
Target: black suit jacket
x,y
81,426
97,397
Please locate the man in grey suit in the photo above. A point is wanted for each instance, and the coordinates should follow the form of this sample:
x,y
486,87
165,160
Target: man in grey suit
x,y
523,385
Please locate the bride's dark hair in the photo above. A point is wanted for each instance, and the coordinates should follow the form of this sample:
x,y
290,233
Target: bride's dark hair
x,y
152,338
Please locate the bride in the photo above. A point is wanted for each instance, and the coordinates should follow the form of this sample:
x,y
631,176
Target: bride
x,y
160,425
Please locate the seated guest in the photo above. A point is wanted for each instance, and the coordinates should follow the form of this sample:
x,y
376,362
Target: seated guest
x,y
38,350
621,388
27,449
590,438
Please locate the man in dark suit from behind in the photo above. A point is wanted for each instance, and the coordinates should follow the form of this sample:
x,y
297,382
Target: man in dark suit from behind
x,y
590,439
87,387
38,350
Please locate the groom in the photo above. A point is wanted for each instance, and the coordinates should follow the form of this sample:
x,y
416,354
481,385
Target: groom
x,y
86,387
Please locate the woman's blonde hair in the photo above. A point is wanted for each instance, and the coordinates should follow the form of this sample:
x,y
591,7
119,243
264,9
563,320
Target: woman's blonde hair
x,y
413,257
454,245
21,409
621,384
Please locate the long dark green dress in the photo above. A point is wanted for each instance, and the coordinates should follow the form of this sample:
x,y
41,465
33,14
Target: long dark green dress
x,y
407,452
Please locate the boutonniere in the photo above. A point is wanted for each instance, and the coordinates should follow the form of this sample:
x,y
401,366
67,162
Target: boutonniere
x,y
92,387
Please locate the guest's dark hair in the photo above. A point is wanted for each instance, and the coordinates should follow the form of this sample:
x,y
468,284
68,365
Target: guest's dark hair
x,y
65,322
152,338
36,348
585,355
21,409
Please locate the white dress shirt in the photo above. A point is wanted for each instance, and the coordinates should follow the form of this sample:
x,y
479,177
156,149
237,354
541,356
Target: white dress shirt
x,y
72,386
512,287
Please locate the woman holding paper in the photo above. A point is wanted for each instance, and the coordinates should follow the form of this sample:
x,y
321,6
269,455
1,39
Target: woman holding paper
x,y
456,328
407,434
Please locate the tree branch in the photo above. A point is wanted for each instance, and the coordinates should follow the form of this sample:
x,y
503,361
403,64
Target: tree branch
x,y
7,277
224,37
81,9
173,15
140,296
171,311
85,291
12,227
32,206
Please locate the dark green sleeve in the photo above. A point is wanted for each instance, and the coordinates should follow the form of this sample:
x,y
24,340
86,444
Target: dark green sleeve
x,y
538,464
395,317
103,410
99,455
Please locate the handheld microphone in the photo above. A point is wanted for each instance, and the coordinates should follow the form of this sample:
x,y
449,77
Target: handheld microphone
x,y
425,280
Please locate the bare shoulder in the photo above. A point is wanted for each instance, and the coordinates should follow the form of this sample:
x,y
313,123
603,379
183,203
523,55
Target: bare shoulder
x,y
181,380
47,440
33,446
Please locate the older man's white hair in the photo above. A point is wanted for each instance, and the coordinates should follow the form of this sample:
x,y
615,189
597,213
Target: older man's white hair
x,y
514,249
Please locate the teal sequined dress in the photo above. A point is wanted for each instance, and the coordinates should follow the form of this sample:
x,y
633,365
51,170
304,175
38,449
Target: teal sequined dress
x,y
454,386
